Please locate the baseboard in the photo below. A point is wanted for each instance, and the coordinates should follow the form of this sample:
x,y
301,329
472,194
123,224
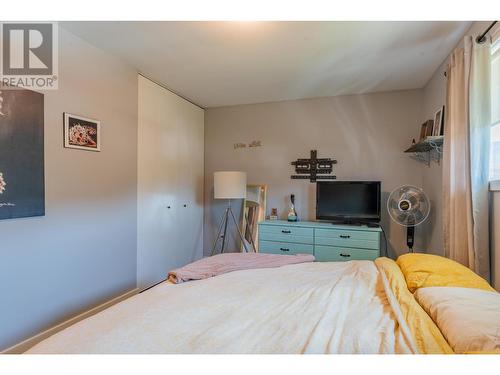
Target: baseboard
x,y
32,341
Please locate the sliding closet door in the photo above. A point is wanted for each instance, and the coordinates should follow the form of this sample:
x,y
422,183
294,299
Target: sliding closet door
x,y
164,121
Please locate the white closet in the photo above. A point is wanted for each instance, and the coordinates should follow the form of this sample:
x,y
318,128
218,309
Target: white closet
x,y
170,183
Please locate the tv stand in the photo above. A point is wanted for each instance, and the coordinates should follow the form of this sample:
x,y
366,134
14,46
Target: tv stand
x,y
329,242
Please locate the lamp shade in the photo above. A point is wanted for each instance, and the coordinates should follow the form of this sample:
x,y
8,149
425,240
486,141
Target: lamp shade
x,y
230,185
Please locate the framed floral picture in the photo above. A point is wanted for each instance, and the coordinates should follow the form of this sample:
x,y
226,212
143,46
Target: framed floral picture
x,y
82,133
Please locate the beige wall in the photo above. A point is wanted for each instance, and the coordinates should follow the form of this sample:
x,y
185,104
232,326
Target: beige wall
x,y
365,133
434,96
83,251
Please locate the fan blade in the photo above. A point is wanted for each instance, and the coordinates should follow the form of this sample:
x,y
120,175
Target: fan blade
x,y
402,218
419,215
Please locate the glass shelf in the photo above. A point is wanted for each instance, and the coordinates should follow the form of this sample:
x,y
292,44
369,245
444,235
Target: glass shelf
x,y
430,148
427,144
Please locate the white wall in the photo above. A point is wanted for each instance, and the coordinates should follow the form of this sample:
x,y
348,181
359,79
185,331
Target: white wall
x,y
83,251
367,134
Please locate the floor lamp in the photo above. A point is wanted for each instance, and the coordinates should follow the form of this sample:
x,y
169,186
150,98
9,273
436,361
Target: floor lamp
x,y
229,185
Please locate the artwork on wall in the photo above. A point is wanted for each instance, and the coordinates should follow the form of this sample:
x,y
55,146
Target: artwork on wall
x,y
255,144
82,133
250,145
22,186
239,145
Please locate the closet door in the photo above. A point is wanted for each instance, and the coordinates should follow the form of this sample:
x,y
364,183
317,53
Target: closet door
x,y
170,171
191,171
157,175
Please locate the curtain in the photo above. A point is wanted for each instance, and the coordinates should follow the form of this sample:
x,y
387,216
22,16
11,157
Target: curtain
x,y
479,129
466,157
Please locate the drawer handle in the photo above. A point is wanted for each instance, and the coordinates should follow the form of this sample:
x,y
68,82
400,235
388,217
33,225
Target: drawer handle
x,y
286,231
284,249
345,255
345,236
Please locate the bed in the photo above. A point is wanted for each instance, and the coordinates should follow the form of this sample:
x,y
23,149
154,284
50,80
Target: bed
x,y
310,307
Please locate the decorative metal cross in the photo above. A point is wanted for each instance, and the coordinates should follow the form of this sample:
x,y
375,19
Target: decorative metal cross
x,y
311,168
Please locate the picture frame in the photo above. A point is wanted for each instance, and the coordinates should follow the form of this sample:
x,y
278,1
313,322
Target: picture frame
x,y
82,133
423,131
429,128
438,128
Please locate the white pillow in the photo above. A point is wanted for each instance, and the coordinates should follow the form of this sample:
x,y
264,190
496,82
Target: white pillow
x,y
468,318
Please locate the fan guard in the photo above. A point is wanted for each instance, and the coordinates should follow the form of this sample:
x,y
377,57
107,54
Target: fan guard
x,y
408,206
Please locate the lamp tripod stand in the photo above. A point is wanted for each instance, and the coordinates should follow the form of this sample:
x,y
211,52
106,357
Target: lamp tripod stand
x,y
223,229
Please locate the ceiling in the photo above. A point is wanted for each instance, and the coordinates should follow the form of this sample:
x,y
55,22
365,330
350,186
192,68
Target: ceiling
x,y
217,64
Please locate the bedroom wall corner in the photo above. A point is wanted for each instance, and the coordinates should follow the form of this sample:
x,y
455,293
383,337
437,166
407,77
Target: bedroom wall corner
x,y
366,133
434,96
83,252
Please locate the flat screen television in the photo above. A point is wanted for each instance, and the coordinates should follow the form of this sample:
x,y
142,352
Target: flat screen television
x,y
353,202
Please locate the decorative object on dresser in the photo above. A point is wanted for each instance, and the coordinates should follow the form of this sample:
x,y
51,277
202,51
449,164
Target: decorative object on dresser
x,y
82,133
274,214
254,210
22,186
408,206
229,185
292,213
326,241
313,169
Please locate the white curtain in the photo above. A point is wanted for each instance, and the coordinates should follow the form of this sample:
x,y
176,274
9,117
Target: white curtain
x,y
466,157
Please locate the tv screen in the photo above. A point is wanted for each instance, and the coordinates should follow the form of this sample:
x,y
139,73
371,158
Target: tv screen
x,y
348,201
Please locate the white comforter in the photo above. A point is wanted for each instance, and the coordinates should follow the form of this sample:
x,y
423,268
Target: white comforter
x,y
303,308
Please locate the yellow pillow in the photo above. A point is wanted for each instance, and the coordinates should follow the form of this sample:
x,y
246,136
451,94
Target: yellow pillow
x,y
425,270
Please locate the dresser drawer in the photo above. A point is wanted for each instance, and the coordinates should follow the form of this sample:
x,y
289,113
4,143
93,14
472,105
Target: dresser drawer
x,y
347,238
340,254
286,234
271,247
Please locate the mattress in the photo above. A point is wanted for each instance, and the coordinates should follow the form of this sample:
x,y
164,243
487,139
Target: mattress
x,y
321,307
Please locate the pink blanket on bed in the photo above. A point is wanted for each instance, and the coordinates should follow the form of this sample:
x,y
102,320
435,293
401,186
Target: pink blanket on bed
x,y
224,263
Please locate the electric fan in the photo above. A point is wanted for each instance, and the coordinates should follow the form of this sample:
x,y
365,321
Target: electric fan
x,y
408,206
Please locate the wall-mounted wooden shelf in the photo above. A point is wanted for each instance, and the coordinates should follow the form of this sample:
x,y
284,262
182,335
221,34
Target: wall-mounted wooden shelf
x,y
428,149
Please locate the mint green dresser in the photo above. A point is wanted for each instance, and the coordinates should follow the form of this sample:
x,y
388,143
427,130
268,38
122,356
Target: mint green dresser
x,y
328,242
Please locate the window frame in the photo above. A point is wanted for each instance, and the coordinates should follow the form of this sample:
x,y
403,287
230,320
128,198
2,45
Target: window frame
x,y
495,54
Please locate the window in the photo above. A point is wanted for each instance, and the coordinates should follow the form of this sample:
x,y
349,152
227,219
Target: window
x,y
495,112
